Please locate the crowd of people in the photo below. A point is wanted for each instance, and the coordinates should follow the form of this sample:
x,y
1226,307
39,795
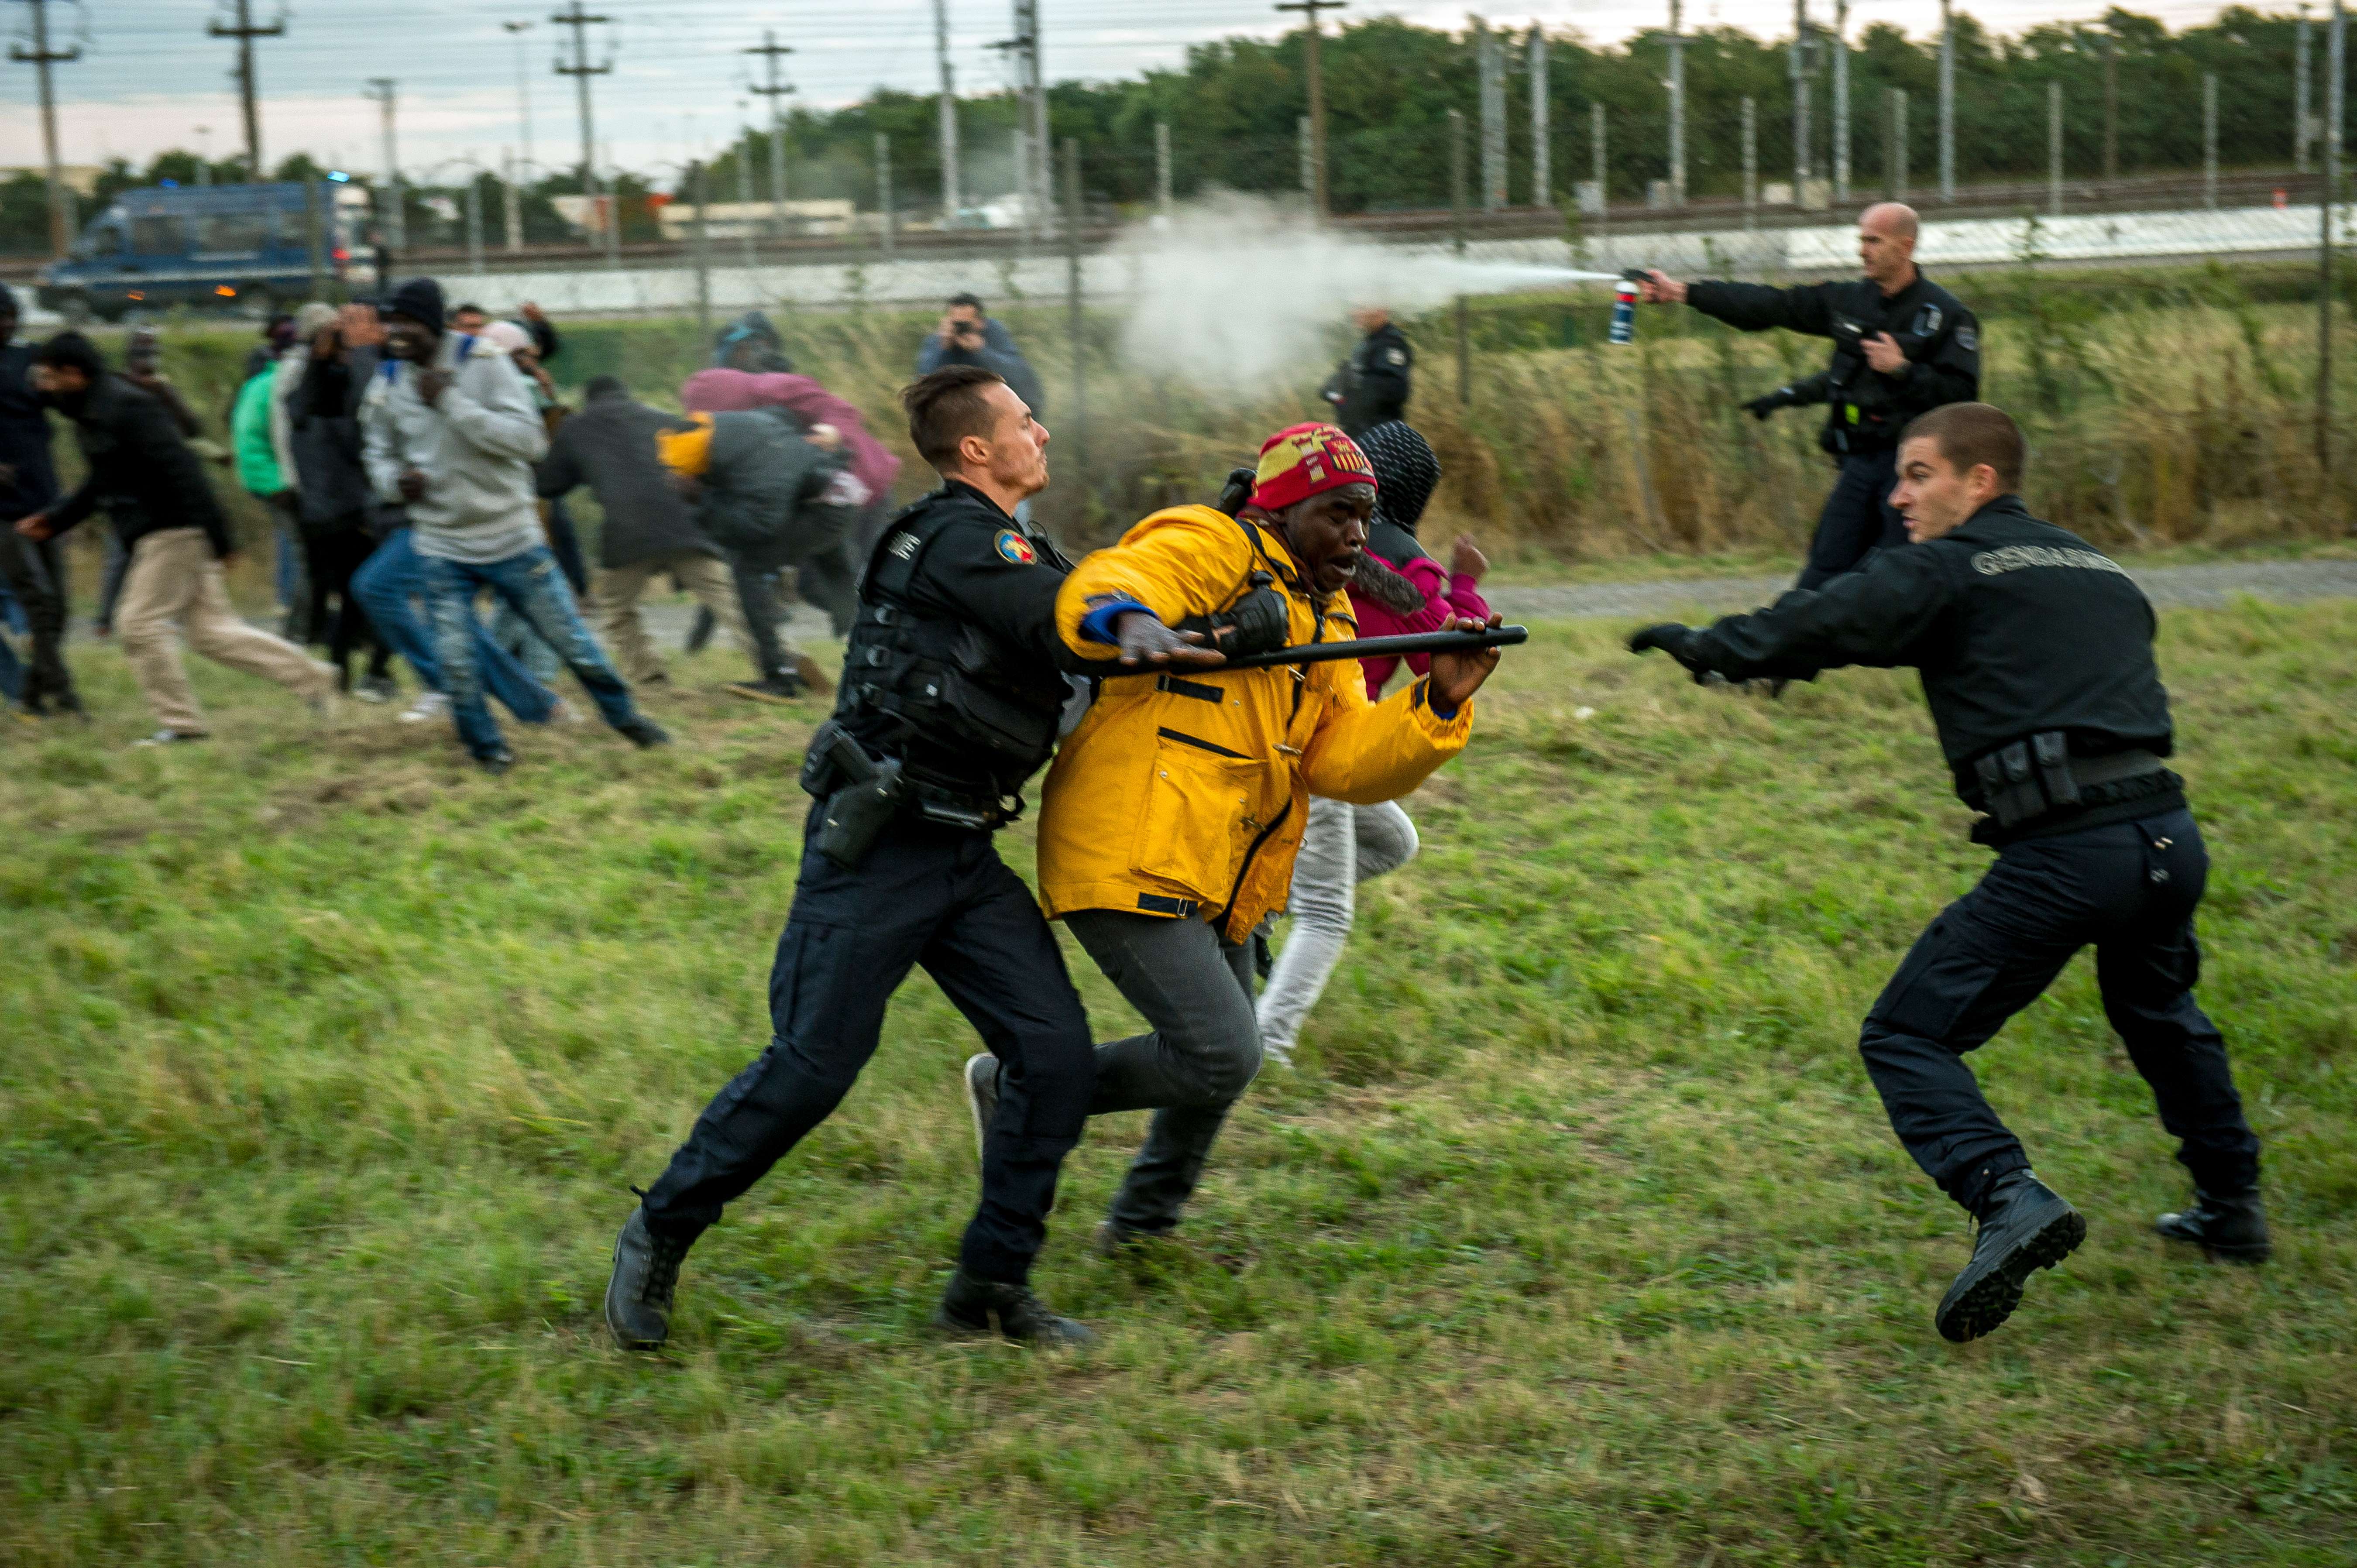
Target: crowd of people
x,y
417,461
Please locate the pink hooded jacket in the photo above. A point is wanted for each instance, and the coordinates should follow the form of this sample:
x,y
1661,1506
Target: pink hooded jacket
x,y
1445,595
722,391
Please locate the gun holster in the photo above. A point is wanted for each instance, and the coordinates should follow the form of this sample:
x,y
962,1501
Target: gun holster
x,y
861,794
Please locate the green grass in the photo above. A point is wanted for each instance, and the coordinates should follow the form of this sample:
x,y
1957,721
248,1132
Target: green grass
x,y
1577,1239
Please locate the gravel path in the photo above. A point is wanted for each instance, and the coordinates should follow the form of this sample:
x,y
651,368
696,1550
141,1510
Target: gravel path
x,y
2193,587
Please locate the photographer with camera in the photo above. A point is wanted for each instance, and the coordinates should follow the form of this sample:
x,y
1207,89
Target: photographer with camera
x,y
968,336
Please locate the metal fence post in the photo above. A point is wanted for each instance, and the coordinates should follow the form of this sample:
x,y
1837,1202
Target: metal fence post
x,y
702,197
2336,62
2054,149
2210,139
884,191
1894,151
1079,321
1750,164
1603,190
1162,168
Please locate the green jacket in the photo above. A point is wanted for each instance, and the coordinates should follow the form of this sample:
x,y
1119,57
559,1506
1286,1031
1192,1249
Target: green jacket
x,y
249,432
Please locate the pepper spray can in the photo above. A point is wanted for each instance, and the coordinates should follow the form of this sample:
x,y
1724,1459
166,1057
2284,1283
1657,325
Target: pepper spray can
x,y
1625,294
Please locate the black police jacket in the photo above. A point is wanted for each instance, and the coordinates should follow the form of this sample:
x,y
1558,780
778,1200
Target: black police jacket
x,y
2018,627
1940,338
954,666
1372,385
31,482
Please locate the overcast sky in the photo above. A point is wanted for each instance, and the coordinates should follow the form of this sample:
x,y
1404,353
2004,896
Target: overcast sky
x,y
149,76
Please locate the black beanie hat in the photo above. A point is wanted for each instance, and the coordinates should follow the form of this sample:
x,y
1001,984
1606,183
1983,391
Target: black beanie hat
x,y
420,299
1406,469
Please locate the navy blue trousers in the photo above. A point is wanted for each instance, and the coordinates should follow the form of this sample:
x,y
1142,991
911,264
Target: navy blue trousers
x,y
2130,889
1857,518
925,895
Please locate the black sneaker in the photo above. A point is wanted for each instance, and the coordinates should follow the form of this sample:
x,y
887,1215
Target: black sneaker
x,y
782,687
2227,1230
699,633
644,732
639,1295
2027,1226
495,762
970,1304
982,1096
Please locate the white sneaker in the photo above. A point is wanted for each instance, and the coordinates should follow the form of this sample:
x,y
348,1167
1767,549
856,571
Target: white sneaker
x,y
430,705
166,737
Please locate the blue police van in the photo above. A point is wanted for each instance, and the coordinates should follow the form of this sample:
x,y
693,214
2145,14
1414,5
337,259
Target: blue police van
x,y
246,248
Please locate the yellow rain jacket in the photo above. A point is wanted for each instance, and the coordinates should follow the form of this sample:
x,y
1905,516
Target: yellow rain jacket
x,y
1184,790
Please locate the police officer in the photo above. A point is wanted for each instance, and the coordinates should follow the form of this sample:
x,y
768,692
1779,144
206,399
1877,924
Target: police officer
x,y
1372,385
2035,656
951,699
1902,346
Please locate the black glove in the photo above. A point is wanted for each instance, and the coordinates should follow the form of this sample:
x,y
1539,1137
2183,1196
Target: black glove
x,y
1676,638
1237,490
1761,407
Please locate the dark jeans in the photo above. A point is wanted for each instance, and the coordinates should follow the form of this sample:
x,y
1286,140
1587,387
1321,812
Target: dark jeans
x,y
532,585
2130,888
928,896
1857,518
389,585
1196,990
36,576
333,553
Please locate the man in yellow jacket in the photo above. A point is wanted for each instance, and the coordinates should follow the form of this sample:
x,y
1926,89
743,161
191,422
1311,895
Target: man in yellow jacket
x,y
1169,822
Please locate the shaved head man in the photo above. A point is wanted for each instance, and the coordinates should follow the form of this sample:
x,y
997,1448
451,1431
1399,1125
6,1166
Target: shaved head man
x,y
1902,346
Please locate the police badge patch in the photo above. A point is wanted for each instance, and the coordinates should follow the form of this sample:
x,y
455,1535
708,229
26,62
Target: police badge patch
x,y
1396,356
1927,321
1967,340
1015,549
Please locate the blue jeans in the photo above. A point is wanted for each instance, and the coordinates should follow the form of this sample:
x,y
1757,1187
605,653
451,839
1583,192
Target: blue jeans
x,y
386,584
531,585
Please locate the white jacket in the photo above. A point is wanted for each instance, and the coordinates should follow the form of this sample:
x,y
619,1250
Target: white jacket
x,y
476,449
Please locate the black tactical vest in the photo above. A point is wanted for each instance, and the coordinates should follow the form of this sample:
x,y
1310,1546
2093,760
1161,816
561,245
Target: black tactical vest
x,y
954,701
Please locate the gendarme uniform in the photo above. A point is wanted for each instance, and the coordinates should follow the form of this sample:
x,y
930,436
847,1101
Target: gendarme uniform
x,y
949,701
1866,408
2035,656
1372,385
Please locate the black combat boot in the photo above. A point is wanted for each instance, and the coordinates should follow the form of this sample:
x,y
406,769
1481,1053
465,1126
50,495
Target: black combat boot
x,y
2024,1226
637,1298
2229,1229
969,1304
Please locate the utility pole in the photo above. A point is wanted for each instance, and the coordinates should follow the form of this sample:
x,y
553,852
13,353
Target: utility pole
x,y
1036,154
581,70
1800,101
523,91
41,57
245,32
2302,132
1304,150
1309,9
950,201
395,227
775,90
1677,86
1490,58
1841,102
511,202
1541,175
1947,101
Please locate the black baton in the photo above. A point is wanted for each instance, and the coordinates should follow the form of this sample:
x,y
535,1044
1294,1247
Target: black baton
x,y
1375,647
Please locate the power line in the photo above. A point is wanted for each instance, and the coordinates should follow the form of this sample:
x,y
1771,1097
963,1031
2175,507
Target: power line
x,y
245,32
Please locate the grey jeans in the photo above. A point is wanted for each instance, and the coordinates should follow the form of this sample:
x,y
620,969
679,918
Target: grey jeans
x,y
1343,846
1195,990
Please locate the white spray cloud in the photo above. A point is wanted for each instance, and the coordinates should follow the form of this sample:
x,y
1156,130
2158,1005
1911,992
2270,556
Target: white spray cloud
x,y
1237,290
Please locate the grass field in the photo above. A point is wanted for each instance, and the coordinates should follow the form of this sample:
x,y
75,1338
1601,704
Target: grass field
x,y
1577,1238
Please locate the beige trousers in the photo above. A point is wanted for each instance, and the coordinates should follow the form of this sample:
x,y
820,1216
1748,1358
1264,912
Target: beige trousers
x,y
174,577
614,594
